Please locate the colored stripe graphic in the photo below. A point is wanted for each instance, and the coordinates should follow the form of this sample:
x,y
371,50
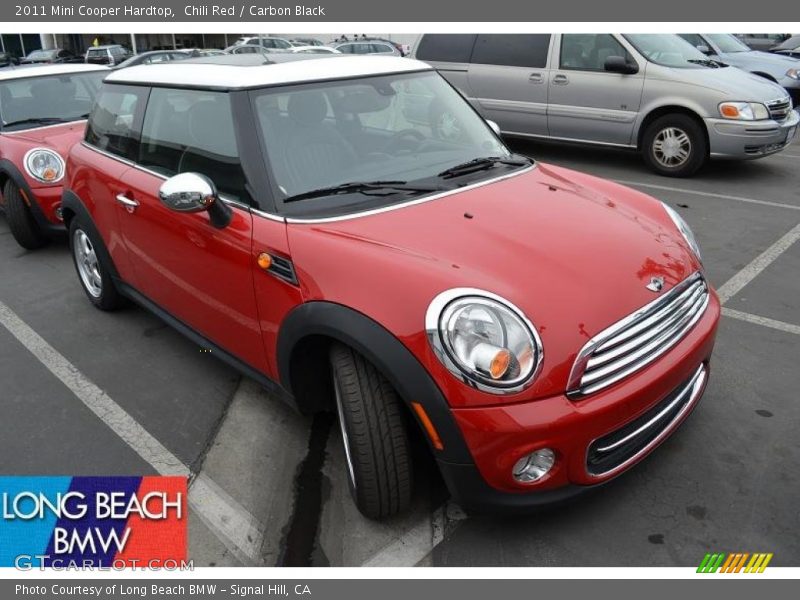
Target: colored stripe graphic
x,y
734,562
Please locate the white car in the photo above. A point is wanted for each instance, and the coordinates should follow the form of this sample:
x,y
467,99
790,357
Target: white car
x,y
314,50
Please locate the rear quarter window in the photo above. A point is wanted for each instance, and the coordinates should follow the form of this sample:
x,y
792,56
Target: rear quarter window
x,y
446,47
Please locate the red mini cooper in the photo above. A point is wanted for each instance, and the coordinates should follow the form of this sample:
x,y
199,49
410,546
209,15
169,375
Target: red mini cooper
x,y
43,112
541,330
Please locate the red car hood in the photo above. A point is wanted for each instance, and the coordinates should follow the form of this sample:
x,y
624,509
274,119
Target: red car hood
x,y
57,137
573,251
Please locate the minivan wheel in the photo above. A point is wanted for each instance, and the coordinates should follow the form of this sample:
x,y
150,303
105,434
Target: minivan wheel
x,y
674,145
20,220
374,435
93,273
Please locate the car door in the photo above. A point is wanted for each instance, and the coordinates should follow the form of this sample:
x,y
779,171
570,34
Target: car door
x,y
585,101
197,273
508,79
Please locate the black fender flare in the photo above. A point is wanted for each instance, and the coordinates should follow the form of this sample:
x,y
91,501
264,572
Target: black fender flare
x,y
9,169
389,355
71,203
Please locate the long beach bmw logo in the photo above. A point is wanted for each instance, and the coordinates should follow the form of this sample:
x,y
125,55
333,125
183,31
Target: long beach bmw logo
x,y
656,284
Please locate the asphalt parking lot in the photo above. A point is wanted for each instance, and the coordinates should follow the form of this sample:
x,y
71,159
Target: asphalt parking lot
x,y
90,393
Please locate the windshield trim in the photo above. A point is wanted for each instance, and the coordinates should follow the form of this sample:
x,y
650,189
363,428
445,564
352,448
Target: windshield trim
x,y
399,205
661,64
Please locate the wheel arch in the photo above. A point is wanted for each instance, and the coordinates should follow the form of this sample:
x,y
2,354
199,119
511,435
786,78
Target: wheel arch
x,y
302,355
668,109
72,206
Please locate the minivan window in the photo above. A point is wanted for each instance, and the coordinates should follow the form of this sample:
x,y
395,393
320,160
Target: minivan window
x,y
668,50
512,50
589,51
446,47
728,43
111,125
192,131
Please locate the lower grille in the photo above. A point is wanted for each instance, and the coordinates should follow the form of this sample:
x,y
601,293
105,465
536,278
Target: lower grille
x,y
616,450
779,109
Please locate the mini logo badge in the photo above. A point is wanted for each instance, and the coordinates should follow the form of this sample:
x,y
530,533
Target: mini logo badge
x,y
656,284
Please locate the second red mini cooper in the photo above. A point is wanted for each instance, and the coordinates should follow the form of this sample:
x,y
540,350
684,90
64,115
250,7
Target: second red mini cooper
x,y
542,330
43,112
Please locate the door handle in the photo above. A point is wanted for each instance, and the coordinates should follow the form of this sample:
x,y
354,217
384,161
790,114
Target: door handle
x,y
129,203
560,80
536,78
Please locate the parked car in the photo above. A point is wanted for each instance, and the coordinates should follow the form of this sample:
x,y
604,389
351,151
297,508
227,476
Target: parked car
x,y
762,41
268,42
783,70
8,60
367,47
51,56
654,93
789,47
155,56
314,50
306,42
43,112
110,55
289,218
247,49
207,52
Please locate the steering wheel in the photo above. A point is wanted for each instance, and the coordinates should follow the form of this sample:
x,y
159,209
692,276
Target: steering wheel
x,y
405,139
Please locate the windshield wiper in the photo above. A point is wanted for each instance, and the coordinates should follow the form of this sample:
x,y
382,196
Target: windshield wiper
x,y
481,163
35,121
705,62
363,187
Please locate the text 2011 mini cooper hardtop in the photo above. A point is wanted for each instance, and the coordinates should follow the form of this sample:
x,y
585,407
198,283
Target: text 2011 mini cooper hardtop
x,y
540,329
43,112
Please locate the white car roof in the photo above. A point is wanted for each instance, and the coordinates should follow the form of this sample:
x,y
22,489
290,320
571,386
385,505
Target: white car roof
x,y
219,76
40,71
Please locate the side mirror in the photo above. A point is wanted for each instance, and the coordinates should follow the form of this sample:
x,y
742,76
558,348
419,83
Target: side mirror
x,y
704,49
618,64
493,126
193,192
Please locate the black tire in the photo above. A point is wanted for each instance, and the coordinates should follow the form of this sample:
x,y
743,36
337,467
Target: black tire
x,y
695,145
107,297
20,220
374,433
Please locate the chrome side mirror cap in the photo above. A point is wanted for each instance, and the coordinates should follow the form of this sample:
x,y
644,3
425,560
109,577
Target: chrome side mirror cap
x,y
493,126
193,192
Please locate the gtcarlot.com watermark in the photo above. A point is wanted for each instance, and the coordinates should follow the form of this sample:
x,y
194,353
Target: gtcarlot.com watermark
x,y
41,562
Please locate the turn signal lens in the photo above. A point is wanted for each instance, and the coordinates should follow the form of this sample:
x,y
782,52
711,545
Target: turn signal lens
x,y
264,261
729,111
499,364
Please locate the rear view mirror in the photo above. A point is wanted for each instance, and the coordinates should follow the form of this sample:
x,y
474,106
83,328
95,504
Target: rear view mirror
x,y
193,192
618,64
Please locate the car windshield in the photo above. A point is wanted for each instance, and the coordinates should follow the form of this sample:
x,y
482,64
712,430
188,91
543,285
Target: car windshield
x,y
35,101
42,54
381,140
668,50
727,43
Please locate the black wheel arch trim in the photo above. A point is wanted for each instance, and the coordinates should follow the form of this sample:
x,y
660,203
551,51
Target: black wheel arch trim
x,y
9,169
72,203
389,355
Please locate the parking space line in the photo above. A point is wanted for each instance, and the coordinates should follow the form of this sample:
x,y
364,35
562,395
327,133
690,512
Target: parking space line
x,y
763,321
735,284
668,188
410,548
236,528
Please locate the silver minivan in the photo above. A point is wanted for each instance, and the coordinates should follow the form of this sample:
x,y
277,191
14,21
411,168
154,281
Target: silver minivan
x,y
652,92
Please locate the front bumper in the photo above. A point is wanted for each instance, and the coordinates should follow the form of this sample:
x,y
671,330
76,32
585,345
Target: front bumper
x,y
753,139
498,436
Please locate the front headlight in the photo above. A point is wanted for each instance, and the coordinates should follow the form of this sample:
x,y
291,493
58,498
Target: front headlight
x,y
688,235
793,73
743,111
44,165
484,340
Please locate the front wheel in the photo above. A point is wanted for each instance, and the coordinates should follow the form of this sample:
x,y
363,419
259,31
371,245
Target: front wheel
x,y
374,435
674,145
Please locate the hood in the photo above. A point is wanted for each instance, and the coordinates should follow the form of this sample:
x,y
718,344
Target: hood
x,y
771,64
572,251
731,83
56,137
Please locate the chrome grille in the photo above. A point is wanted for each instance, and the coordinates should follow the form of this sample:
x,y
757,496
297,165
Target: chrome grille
x,y
638,339
779,109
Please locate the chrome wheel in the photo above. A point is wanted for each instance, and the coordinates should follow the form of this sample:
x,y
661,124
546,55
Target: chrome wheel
x,y
672,147
343,428
88,266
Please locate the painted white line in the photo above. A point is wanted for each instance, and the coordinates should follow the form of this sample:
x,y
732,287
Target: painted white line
x,y
407,550
763,321
235,527
668,188
735,284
